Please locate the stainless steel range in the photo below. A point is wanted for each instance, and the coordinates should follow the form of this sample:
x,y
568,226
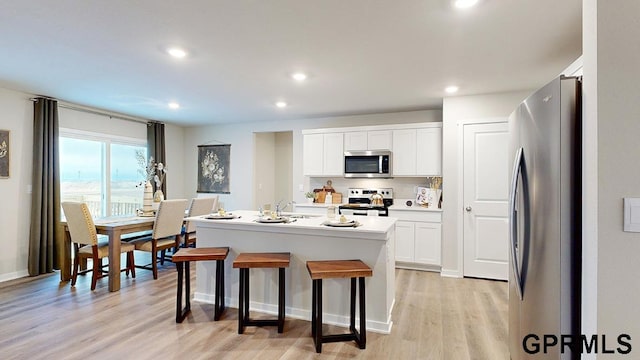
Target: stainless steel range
x,y
364,202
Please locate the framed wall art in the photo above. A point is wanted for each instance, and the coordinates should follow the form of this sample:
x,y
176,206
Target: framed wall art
x,y
4,154
214,168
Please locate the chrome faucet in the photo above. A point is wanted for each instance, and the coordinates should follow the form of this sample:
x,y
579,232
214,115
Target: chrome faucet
x,y
279,209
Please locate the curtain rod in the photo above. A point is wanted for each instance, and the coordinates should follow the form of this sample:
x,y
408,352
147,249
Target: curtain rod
x,y
71,106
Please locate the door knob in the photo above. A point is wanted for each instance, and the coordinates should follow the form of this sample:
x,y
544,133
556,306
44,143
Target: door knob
x,y
468,208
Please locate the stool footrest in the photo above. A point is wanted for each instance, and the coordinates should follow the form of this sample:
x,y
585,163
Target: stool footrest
x,y
261,322
341,337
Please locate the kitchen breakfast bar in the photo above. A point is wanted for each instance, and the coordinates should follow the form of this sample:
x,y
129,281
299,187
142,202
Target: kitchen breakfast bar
x,y
305,238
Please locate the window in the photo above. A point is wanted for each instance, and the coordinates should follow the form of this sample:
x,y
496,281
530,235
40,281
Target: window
x,y
102,171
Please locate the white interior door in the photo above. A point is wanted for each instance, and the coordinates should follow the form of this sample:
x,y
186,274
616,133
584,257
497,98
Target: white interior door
x,y
485,187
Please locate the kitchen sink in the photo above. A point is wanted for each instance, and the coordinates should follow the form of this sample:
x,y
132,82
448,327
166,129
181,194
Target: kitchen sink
x,y
301,216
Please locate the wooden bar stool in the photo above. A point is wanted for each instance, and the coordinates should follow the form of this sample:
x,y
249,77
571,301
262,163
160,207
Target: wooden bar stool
x,y
353,269
182,258
246,261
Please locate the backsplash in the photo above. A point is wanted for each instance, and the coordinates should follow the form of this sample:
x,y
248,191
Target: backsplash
x,y
403,188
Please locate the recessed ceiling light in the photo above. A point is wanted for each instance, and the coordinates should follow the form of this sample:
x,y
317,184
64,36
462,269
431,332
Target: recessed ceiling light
x,y
177,52
464,4
451,89
299,76
174,105
281,104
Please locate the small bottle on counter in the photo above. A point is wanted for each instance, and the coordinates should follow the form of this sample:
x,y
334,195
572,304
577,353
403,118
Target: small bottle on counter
x,y
328,199
331,212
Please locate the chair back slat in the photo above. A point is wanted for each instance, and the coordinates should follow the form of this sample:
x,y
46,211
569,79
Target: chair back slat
x,y
200,206
169,218
80,223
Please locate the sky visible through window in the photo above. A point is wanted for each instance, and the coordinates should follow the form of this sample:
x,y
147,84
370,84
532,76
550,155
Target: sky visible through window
x,y
83,161
82,175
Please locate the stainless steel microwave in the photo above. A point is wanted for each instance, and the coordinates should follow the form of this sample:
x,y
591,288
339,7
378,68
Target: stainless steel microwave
x,y
367,164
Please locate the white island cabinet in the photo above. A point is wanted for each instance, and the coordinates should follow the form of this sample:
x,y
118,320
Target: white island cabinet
x,y
306,239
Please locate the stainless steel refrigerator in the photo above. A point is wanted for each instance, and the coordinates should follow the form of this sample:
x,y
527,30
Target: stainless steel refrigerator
x,y
545,222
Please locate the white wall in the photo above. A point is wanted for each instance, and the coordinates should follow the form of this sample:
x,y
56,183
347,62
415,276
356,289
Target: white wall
x,y
456,110
283,175
264,168
15,200
240,136
612,59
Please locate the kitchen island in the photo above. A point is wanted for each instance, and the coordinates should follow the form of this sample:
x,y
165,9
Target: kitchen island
x,y
306,238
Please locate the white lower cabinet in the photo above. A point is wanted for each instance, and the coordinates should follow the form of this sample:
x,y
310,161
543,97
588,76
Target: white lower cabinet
x,y
418,239
405,233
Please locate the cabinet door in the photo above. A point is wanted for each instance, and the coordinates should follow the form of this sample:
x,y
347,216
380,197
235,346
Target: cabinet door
x,y
379,140
312,154
404,152
427,243
355,140
404,241
429,152
333,154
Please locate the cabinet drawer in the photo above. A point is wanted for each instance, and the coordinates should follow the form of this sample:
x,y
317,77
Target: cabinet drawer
x,y
424,216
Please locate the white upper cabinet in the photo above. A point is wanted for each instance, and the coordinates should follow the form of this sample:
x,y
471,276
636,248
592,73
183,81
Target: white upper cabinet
x,y
429,152
355,140
417,152
367,140
333,154
404,152
323,154
416,148
312,154
379,140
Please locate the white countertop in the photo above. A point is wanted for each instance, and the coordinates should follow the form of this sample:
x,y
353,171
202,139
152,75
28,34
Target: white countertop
x,y
372,227
318,205
402,206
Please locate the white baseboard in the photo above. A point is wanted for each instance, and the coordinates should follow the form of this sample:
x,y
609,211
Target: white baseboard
x,y
296,313
451,273
416,266
14,275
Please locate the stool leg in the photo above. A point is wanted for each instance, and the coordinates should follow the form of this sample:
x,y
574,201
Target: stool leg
x,y
246,296
217,309
187,282
319,316
363,317
183,270
241,302
352,302
281,287
179,266
314,309
222,305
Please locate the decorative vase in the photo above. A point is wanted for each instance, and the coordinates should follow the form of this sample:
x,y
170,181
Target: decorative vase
x,y
310,200
434,198
147,199
158,196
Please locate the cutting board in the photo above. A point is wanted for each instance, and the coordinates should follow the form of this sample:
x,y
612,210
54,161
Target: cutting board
x,y
337,198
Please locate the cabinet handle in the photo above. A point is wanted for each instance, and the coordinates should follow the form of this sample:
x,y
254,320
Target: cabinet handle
x,y
468,208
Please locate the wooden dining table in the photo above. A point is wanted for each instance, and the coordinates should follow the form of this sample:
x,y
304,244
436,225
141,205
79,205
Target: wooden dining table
x,y
114,227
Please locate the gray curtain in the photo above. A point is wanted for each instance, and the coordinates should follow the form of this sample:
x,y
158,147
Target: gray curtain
x,y
45,197
155,148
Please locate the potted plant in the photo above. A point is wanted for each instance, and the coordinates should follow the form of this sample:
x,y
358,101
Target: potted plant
x,y
310,196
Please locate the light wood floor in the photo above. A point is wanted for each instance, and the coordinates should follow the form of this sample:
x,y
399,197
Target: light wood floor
x,y
434,318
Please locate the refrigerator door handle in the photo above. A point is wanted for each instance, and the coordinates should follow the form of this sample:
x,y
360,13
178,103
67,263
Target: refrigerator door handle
x,y
513,231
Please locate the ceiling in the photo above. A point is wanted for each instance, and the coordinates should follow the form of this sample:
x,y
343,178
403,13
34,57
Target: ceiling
x,y
361,56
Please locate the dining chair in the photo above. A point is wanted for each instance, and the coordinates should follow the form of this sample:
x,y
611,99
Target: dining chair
x,y
86,245
167,231
198,206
